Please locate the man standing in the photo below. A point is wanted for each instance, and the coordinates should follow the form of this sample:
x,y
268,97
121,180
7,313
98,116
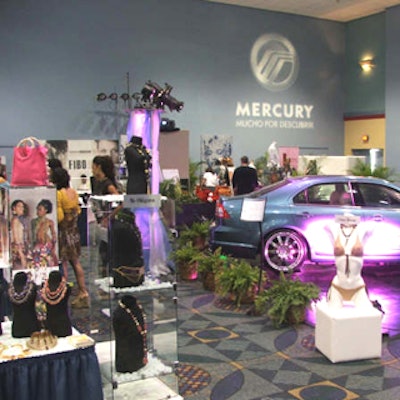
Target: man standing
x,y
244,178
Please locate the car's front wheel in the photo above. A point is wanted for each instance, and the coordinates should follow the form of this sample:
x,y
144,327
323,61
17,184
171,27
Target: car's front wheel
x,y
284,250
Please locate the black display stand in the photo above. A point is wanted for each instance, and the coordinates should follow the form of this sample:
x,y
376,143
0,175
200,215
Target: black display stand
x,y
158,299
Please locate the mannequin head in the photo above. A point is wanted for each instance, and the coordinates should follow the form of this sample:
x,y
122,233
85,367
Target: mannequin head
x,y
129,301
54,279
136,140
20,280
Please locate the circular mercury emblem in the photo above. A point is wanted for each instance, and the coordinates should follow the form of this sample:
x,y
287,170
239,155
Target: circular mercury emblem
x,y
274,62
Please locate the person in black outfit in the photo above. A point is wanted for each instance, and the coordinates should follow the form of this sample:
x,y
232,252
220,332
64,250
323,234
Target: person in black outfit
x,y
22,293
138,162
103,180
244,178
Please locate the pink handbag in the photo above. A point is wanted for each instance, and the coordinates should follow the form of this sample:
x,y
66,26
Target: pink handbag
x,y
29,163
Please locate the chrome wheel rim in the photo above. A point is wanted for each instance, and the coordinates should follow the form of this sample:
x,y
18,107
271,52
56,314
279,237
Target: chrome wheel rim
x,y
284,251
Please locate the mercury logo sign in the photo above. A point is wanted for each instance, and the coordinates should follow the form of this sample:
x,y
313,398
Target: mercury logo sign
x,y
274,62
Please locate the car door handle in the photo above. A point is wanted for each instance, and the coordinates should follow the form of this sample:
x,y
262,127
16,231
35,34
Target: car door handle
x,y
304,215
378,217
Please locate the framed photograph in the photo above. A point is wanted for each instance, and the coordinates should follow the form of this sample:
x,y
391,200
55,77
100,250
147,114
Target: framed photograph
x,y
33,231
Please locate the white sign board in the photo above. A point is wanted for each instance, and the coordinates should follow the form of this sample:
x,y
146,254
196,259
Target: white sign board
x,y
253,210
142,201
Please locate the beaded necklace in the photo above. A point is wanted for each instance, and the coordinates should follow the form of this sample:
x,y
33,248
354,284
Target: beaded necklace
x,y
347,237
22,296
141,330
55,296
130,221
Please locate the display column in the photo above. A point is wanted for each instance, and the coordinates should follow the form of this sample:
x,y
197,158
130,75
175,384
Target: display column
x,y
146,124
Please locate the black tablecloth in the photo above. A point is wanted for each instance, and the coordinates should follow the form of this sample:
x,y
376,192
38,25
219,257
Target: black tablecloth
x,y
70,375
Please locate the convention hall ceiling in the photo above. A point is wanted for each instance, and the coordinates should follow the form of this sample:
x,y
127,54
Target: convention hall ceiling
x,y
335,10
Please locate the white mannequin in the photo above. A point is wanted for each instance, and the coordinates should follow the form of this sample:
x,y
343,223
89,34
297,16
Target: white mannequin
x,y
348,284
273,155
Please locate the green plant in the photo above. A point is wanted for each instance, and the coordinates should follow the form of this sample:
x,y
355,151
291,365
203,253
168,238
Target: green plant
x,y
197,233
312,168
185,259
362,168
238,279
171,189
211,261
184,254
194,173
286,295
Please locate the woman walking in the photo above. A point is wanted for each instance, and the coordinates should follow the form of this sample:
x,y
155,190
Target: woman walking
x,y
68,210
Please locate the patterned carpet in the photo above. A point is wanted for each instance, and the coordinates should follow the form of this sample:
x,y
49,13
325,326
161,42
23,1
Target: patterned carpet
x,y
224,352
228,354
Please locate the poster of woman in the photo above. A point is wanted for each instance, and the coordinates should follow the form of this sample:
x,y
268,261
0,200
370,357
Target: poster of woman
x,y
33,231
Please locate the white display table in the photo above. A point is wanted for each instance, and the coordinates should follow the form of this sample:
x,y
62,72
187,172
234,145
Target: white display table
x,y
348,333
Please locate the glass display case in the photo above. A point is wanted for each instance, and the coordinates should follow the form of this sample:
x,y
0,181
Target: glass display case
x,y
133,300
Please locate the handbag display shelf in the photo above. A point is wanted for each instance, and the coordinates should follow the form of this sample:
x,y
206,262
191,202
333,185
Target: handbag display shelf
x,y
156,297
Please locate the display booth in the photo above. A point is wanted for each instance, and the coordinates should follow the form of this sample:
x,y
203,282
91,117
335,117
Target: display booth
x,y
139,344
40,352
348,327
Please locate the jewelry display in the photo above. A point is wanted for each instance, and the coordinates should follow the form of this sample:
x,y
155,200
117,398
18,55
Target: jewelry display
x,y
127,218
22,296
126,250
55,296
22,293
347,236
138,161
146,158
141,329
13,352
43,340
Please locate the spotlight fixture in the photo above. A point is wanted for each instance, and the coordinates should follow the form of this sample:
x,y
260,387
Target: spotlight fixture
x,y
173,104
158,97
367,64
152,93
152,96
101,97
124,96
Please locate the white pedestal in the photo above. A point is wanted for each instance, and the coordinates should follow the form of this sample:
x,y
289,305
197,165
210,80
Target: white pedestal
x,y
348,333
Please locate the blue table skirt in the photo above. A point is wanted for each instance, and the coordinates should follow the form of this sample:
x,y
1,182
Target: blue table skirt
x,y
71,375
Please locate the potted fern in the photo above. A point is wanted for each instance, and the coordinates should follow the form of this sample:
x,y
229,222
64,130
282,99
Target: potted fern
x,y
209,264
186,263
285,300
197,233
239,280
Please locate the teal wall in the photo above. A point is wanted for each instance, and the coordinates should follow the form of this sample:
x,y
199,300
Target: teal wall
x,y
393,88
365,93
56,56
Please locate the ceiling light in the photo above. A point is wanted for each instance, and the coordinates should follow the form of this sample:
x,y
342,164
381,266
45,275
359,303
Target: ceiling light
x,y
367,64
101,97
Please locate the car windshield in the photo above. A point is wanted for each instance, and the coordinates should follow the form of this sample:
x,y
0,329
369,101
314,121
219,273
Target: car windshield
x,y
266,189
